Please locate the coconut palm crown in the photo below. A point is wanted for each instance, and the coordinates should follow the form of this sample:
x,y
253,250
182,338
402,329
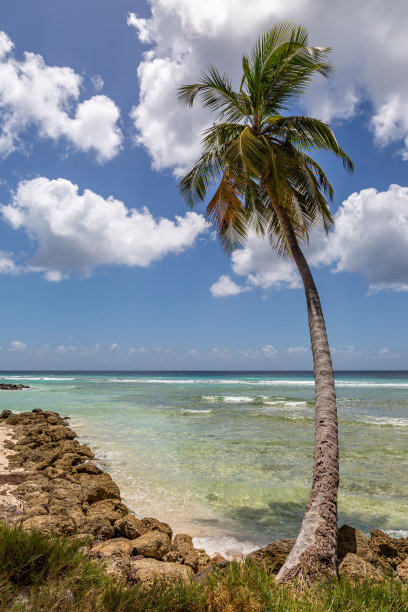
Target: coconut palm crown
x,y
268,181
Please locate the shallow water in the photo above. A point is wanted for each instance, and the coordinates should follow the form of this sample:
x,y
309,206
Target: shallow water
x,y
227,457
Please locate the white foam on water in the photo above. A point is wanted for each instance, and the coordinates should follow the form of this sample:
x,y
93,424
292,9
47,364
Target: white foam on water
x,y
286,404
196,411
396,533
34,378
396,422
237,400
227,546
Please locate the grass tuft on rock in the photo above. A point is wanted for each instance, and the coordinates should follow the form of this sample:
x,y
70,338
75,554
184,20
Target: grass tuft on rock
x,y
40,572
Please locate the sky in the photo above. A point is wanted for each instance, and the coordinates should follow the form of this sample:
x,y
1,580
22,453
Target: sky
x,y
103,266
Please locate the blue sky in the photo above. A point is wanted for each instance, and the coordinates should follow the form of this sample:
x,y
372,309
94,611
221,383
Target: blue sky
x,y
103,267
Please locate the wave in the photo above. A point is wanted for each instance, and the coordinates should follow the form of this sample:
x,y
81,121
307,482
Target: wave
x,y
395,421
227,546
263,400
260,383
396,533
34,378
196,411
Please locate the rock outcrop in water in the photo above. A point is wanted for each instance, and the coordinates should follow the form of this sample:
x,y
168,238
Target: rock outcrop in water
x,y
377,558
12,387
59,489
52,484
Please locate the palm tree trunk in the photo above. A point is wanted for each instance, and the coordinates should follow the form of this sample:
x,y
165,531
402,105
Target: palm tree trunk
x,y
315,552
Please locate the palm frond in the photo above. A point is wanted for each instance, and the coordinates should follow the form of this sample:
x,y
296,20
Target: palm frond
x,y
307,133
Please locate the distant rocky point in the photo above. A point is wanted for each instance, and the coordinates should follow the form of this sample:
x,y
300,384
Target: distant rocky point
x,y
11,387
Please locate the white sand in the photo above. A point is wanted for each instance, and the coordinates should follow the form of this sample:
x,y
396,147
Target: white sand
x,y
8,501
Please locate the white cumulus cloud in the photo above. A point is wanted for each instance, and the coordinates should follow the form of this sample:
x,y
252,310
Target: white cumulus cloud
x,y
17,346
7,265
370,237
47,97
185,36
224,287
76,233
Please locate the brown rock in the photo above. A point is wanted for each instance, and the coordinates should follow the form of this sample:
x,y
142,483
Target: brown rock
x,y
35,511
67,461
147,571
356,568
402,570
182,551
61,525
117,567
201,576
96,488
88,468
154,544
203,559
130,527
393,550
353,541
111,509
218,559
273,556
98,526
118,547
153,524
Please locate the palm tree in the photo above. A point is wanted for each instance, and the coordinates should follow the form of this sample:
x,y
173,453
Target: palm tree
x,y
268,182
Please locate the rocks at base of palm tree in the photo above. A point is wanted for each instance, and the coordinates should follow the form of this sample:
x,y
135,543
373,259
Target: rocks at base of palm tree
x,y
130,527
353,541
402,570
153,544
273,556
356,568
148,571
393,550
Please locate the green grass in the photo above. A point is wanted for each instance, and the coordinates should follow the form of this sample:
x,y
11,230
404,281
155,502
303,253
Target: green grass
x,y
56,575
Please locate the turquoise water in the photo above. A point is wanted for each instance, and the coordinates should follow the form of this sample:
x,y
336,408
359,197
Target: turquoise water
x,y
227,457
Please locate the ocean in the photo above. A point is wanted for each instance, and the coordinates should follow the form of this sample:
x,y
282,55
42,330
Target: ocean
x,y
227,456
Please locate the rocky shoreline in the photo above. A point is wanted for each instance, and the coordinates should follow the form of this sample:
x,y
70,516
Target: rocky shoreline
x,y
49,482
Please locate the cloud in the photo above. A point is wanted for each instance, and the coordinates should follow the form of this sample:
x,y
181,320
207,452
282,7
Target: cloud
x,y
224,287
7,265
47,97
370,237
17,346
97,82
263,267
76,233
185,36
268,351
135,351
297,350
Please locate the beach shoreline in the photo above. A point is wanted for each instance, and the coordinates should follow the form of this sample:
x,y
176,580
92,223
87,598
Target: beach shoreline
x,y
50,482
